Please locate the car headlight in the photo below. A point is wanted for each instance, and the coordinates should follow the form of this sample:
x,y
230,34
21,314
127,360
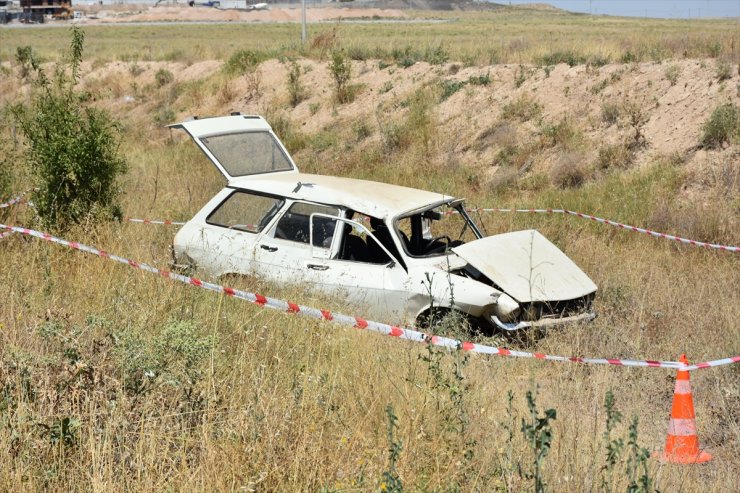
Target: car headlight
x,y
506,309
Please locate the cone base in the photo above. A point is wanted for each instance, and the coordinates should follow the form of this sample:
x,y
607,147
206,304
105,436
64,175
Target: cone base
x,y
683,458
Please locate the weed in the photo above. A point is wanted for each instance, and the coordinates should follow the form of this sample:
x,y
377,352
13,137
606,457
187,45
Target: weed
x,y
638,471
361,129
562,133
296,90
629,57
314,108
27,59
538,435
391,481
163,77
520,77
614,156
637,116
62,431
480,80
570,170
386,87
340,68
613,446
448,87
672,72
610,112
436,55
72,148
135,69
523,108
723,127
570,57
724,70
241,62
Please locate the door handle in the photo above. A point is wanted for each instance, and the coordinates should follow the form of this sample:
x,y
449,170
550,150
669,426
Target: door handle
x,y
318,267
268,248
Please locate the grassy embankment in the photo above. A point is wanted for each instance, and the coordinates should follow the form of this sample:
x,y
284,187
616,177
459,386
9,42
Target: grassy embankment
x,y
117,380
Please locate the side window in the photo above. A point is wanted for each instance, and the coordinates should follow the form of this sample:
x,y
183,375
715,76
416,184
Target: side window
x,y
295,225
245,212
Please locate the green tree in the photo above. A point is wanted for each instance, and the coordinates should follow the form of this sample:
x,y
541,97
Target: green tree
x,y
71,147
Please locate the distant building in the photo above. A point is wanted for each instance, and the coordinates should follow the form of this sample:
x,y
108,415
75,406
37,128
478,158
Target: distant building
x,y
35,10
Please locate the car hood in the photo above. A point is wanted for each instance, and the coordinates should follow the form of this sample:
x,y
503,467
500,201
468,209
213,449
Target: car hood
x,y
527,266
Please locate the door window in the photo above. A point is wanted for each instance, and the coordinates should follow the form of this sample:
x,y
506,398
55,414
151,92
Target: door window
x,y
295,225
245,212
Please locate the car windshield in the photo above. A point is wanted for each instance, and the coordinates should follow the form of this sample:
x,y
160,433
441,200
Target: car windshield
x,y
433,231
247,153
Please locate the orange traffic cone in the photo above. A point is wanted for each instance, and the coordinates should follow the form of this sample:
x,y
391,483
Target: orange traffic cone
x,y
682,444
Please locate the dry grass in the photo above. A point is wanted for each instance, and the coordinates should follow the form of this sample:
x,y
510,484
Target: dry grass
x,y
115,380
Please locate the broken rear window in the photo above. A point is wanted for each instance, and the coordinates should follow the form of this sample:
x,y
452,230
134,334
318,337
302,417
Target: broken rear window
x,y
247,153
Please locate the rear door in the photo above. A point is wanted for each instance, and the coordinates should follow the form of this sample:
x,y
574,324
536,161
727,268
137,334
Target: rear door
x,y
240,145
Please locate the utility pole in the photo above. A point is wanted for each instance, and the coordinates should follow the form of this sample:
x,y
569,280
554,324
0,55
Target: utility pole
x,y
303,21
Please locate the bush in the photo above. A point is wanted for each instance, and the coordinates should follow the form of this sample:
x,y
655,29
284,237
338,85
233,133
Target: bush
x,y
241,62
296,91
671,73
570,57
72,148
163,77
340,68
610,112
722,127
614,156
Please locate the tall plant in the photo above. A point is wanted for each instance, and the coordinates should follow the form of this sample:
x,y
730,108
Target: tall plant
x,y
72,148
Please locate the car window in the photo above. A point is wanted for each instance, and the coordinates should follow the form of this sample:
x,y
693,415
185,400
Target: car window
x,y
247,153
433,232
295,224
245,212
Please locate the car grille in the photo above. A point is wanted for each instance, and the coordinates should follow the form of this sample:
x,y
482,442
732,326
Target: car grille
x,y
557,309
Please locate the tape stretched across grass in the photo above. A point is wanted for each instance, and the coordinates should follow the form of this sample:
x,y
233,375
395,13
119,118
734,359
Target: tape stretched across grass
x,y
358,322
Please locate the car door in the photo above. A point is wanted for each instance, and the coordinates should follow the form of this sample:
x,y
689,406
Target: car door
x,y
373,287
284,252
225,242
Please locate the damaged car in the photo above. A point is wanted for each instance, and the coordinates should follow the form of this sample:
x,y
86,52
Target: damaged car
x,y
391,253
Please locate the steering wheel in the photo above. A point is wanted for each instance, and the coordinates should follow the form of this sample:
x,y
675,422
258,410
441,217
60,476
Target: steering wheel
x,y
434,240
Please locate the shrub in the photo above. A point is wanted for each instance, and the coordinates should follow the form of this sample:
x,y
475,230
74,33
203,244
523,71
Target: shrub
x,y
436,55
242,61
523,108
671,73
480,80
449,87
722,127
610,112
614,156
570,57
72,148
163,77
296,91
340,68
724,71
569,171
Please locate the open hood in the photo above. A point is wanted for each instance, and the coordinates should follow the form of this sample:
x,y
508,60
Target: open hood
x,y
527,266
240,145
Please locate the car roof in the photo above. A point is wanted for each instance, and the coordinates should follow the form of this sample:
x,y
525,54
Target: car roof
x,y
372,198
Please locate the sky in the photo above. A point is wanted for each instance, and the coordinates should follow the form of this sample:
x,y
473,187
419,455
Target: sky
x,y
647,8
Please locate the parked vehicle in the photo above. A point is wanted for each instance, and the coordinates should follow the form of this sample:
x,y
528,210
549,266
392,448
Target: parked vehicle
x,y
393,253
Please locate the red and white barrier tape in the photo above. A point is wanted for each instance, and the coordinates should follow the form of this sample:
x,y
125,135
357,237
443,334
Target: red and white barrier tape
x,y
153,221
360,323
616,224
15,200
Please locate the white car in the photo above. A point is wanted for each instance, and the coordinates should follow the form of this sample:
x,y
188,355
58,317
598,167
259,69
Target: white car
x,y
391,253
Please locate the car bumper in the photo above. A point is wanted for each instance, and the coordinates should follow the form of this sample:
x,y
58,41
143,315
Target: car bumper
x,y
542,323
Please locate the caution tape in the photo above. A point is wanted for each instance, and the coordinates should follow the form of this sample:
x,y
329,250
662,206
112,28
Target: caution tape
x,y
155,221
361,323
626,227
16,200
